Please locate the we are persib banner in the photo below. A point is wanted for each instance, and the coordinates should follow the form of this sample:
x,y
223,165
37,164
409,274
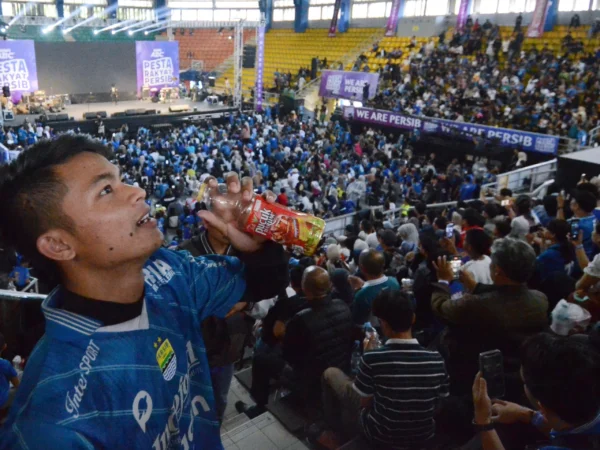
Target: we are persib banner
x,y
348,85
17,68
536,28
531,142
157,64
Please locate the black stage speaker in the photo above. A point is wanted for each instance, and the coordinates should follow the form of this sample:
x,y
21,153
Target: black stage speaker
x,y
101,114
89,116
118,114
131,112
211,81
249,56
61,117
150,112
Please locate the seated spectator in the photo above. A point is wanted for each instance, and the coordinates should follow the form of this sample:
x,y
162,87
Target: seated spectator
x,y
498,316
8,376
565,401
372,266
398,387
313,340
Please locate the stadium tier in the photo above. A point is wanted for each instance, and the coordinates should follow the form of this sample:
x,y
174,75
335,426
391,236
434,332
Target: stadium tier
x,y
286,51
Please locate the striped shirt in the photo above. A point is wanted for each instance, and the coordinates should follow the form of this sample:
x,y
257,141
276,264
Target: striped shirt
x,y
406,382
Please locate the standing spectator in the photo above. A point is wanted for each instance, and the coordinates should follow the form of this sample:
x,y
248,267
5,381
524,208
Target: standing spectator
x,y
282,198
398,386
582,206
518,23
491,317
575,21
8,376
477,246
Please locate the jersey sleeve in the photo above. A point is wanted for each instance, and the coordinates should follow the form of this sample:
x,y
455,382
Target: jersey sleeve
x,y
33,434
7,369
217,284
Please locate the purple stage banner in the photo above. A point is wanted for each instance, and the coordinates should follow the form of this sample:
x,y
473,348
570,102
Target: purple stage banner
x,y
532,142
334,19
260,64
18,70
392,22
348,85
157,64
536,28
463,13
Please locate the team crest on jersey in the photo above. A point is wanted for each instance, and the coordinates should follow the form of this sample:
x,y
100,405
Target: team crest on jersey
x,y
166,358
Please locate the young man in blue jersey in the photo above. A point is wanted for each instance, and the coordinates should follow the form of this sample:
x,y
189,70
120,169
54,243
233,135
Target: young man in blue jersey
x,y
122,363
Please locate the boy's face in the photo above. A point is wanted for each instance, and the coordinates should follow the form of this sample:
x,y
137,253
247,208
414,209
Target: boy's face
x,y
106,214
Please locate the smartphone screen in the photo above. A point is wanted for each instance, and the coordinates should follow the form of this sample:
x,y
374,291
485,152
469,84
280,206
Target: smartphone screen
x,y
456,264
450,230
491,365
505,202
575,229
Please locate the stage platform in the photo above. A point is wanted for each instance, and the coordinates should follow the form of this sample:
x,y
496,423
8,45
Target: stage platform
x,y
77,111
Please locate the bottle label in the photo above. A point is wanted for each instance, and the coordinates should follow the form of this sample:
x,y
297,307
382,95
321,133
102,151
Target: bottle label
x,y
301,232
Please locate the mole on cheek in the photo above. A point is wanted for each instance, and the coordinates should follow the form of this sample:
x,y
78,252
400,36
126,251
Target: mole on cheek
x,y
131,234
111,249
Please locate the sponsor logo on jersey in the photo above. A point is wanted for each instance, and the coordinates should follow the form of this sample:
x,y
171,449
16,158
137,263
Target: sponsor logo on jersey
x,y
73,400
166,358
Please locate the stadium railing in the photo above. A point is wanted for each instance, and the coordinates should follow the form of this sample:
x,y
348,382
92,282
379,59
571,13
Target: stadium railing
x,y
336,225
529,177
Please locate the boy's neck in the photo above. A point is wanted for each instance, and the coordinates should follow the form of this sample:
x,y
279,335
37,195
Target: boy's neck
x,y
120,285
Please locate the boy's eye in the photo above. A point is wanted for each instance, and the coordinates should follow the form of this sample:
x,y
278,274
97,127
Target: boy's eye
x,y
107,190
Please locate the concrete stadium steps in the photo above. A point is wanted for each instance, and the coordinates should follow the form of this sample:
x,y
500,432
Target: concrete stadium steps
x,y
286,50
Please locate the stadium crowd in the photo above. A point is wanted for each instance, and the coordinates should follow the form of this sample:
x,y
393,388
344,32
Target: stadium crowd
x,y
381,332
476,76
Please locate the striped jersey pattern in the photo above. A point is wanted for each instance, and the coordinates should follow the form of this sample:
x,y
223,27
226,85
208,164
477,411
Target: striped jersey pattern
x,y
407,382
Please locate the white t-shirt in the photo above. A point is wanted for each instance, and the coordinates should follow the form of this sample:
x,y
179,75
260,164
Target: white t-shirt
x,y
480,269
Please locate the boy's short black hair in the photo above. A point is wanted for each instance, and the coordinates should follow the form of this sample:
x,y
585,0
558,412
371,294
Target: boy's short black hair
x,y
441,223
479,241
505,192
563,374
585,199
31,193
473,218
503,227
395,308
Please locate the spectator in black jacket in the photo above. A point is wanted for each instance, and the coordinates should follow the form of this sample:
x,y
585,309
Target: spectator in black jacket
x,y
316,338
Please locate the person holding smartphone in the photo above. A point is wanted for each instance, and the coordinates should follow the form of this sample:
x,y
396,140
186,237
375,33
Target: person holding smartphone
x,y
565,401
582,205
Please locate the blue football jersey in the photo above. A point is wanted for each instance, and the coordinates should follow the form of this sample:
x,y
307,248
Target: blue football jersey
x,y
142,384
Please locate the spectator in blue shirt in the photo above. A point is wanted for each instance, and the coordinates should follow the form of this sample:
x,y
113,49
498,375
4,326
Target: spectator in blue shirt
x,y
565,400
558,256
8,375
20,275
582,205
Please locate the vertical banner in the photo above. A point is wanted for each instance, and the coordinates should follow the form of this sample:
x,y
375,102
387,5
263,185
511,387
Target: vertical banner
x,y
392,22
463,12
260,63
301,15
536,27
18,70
344,21
551,15
157,64
334,19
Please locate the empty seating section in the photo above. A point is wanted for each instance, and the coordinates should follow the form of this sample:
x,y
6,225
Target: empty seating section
x,y
207,45
286,51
